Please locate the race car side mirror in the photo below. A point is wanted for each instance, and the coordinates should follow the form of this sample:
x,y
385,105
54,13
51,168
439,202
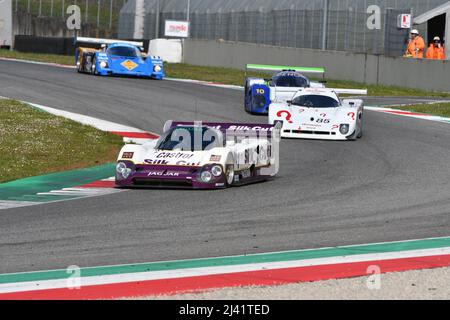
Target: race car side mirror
x,y
289,102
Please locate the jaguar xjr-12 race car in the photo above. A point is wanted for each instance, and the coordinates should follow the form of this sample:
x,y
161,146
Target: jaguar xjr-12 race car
x,y
260,93
318,113
201,156
116,57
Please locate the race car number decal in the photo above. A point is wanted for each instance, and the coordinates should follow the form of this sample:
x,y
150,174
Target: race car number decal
x,y
215,158
287,113
127,155
260,91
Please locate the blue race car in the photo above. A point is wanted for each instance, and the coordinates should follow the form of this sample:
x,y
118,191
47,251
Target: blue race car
x,y
117,57
260,93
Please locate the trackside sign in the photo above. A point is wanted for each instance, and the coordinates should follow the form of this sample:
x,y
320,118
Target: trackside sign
x,y
5,23
178,29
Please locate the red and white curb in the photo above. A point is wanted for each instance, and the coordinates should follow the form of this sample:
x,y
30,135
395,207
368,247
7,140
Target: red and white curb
x,y
172,277
290,268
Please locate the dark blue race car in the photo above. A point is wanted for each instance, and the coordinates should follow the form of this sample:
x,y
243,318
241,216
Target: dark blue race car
x,y
260,93
117,57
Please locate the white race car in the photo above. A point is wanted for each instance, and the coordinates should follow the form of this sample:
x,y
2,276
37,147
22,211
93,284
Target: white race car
x,y
201,156
318,113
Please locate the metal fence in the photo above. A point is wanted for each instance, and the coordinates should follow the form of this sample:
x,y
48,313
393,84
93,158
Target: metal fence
x,y
101,13
319,24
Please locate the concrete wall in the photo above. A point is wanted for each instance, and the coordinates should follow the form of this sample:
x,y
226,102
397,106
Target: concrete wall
x,y
365,68
27,24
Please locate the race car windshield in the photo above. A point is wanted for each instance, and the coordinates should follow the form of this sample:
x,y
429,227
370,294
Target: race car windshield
x,y
189,139
290,81
124,52
315,101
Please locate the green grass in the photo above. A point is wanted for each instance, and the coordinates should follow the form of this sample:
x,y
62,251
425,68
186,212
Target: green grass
x,y
40,57
33,142
438,109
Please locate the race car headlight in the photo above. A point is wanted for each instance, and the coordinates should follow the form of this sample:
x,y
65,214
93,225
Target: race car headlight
x,y
216,170
122,170
103,64
344,128
206,176
157,68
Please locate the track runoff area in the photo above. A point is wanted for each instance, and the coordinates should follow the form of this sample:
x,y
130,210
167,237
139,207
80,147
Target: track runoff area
x,y
172,277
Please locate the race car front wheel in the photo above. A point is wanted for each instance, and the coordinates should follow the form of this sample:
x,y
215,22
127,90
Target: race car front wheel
x,y
229,174
360,134
79,65
93,66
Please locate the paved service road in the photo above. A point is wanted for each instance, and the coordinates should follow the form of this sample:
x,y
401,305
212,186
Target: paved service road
x,y
394,184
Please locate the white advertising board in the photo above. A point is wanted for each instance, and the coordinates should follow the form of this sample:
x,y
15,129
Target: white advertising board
x,y
404,21
178,29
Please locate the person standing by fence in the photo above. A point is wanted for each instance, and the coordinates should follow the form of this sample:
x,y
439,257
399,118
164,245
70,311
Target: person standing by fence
x,y
436,50
415,46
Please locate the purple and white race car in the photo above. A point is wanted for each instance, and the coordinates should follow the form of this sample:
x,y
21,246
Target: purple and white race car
x,y
201,156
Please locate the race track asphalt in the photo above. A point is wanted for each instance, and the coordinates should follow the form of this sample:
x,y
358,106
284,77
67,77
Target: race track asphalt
x,y
393,184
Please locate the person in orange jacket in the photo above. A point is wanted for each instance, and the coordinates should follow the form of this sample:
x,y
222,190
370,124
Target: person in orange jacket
x,y
415,46
436,50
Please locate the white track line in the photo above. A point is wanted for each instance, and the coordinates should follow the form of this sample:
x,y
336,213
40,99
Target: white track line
x,y
39,63
80,192
6,204
409,114
102,125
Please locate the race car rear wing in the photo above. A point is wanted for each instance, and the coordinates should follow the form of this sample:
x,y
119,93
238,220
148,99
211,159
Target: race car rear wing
x,y
263,67
356,92
234,129
98,41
